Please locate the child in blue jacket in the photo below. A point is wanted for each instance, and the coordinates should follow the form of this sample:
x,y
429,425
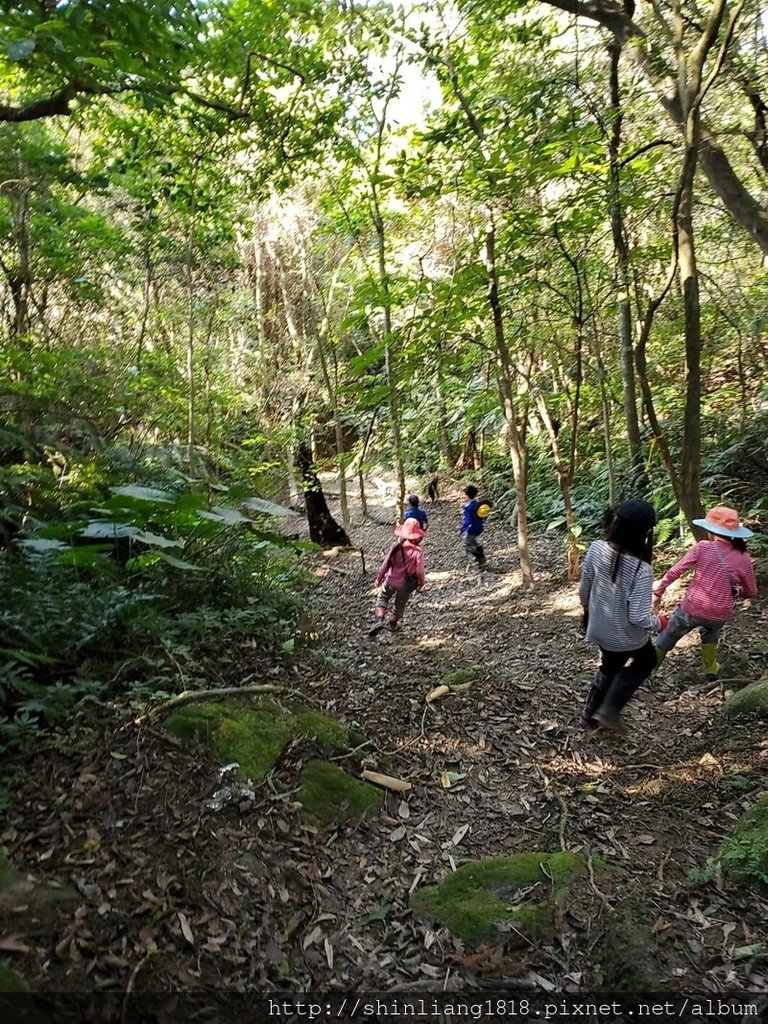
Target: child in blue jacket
x,y
472,526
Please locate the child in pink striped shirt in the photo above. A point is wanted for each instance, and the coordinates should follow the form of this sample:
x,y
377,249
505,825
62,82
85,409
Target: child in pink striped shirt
x,y
723,572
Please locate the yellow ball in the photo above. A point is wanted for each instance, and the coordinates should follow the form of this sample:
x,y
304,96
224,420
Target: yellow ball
x,y
484,510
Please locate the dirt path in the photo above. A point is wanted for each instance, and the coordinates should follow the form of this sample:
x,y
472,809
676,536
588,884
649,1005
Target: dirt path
x,y
167,893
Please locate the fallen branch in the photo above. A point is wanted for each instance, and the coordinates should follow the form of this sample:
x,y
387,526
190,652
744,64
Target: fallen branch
x,y
387,781
192,696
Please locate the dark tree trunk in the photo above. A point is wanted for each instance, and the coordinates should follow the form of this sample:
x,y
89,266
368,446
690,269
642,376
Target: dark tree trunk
x,y
323,528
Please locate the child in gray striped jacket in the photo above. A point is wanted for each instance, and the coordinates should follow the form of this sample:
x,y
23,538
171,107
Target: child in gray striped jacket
x,y
616,594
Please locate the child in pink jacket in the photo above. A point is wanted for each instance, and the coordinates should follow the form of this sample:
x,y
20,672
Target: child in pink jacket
x,y
401,572
723,572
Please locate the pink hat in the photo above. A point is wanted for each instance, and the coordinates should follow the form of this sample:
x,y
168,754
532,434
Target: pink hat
x,y
410,530
724,522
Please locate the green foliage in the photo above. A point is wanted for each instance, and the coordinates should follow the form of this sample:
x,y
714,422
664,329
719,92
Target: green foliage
x,y
743,856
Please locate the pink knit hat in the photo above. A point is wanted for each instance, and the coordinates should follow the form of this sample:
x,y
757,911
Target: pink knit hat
x,y
410,530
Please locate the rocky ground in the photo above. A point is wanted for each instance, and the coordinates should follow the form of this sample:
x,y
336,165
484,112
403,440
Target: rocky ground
x,y
128,880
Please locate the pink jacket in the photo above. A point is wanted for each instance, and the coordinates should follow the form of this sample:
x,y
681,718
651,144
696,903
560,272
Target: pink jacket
x,y
710,593
403,559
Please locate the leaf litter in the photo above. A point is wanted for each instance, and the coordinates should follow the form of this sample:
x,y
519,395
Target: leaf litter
x,y
249,895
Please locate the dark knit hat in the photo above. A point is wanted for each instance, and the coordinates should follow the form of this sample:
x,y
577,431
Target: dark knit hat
x,y
636,510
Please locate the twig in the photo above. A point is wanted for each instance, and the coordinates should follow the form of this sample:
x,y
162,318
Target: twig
x,y
593,884
130,986
192,696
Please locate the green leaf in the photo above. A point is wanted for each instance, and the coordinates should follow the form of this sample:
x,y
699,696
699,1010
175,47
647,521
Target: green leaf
x,y
288,646
269,508
146,537
179,563
41,545
222,514
103,528
145,494
380,914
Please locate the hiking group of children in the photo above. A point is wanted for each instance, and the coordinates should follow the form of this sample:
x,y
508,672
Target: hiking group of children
x,y
621,606
402,571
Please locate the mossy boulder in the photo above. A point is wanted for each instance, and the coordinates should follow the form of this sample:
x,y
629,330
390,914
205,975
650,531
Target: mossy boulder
x,y
329,794
484,899
743,857
255,736
752,700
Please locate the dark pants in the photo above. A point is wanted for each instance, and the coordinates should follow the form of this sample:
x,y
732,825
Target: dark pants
x,y
619,675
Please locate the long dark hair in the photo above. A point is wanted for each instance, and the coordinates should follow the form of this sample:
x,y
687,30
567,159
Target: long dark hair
x,y
630,536
738,544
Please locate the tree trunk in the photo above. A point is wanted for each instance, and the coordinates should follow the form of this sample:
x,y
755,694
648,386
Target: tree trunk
x,y
621,254
323,528
504,364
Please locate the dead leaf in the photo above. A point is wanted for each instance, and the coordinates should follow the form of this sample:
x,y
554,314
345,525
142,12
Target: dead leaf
x,y
186,929
397,834
662,926
328,953
458,835
404,811
13,944
645,838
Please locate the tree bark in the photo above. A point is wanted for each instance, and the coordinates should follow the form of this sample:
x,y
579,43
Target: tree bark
x,y
323,528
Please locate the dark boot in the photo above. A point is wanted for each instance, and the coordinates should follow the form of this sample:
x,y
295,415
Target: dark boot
x,y
595,697
378,625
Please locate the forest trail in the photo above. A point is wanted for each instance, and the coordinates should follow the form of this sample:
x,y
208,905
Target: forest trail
x,y
173,895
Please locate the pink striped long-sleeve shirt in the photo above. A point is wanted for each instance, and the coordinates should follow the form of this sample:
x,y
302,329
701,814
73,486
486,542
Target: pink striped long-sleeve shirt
x,y
718,566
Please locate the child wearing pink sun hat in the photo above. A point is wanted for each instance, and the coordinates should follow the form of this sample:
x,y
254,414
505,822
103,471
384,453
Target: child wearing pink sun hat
x,y
401,572
723,573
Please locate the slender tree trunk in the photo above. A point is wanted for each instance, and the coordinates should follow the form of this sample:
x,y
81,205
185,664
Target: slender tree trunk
x,y
563,479
394,405
191,397
504,363
621,254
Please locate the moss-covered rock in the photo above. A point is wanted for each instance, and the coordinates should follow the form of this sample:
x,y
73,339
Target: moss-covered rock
x,y
329,794
752,700
486,898
743,857
255,736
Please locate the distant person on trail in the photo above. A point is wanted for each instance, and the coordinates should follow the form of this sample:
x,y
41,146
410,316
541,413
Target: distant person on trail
x,y
474,514
616,592
401,572
414,511
723,573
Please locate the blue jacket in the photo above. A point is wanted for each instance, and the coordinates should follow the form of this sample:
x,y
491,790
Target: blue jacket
x,y
472,524
418,514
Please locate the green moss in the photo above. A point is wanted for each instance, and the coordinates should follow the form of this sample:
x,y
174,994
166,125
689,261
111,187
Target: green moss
x,y
481,898
329,794
752,700
460,675
10,981
743,856
624,959
254,737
